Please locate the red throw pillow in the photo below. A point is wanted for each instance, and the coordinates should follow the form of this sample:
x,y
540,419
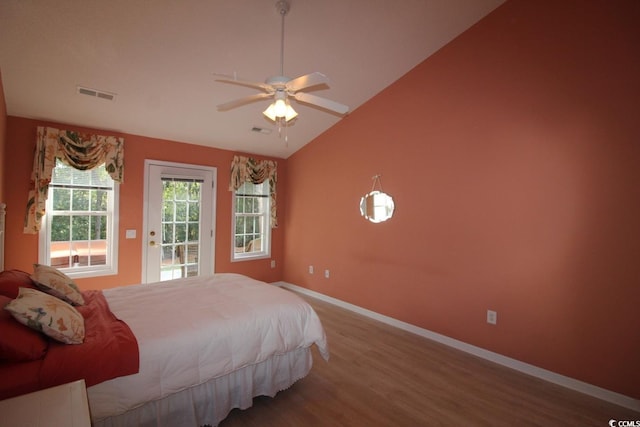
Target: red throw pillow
x,y
18,343
11,280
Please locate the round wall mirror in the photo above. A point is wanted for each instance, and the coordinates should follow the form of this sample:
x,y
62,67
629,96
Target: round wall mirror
x,y
376,206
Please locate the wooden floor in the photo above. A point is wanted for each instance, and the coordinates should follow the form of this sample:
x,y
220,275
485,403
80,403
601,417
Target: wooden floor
x,y
379,375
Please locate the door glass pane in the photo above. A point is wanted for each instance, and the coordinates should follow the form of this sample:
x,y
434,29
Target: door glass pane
x,y
180,228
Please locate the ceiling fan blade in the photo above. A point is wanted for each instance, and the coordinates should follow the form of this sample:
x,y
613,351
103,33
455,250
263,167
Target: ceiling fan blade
x,y
238,102
321,102
266,87
308,80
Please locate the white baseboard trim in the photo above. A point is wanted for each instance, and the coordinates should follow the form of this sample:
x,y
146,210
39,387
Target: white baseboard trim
x,y
573,384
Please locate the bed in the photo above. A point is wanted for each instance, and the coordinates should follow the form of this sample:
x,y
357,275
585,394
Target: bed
x,y
205,345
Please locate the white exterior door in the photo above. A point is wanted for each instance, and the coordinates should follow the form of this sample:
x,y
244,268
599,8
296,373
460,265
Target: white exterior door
x,y
179,221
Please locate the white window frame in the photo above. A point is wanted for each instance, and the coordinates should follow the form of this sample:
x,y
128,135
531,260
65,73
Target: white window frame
x,y
111,262
265,234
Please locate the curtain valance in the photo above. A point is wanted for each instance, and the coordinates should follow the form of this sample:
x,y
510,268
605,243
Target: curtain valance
x,y
246,169
79,150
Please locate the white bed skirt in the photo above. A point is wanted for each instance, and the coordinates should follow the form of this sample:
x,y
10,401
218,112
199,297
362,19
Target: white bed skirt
x,y
211,402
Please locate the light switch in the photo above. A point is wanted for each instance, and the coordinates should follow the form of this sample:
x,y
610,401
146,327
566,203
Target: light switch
x,y
130,234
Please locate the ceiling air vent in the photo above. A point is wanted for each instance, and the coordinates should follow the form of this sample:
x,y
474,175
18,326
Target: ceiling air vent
x,y
96,93
261,130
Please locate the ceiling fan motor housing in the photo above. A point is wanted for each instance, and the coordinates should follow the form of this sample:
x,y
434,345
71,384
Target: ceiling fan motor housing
x,y
277,81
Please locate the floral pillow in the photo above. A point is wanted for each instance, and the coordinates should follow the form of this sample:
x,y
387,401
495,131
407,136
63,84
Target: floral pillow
x,y
18,344
54,282
48,314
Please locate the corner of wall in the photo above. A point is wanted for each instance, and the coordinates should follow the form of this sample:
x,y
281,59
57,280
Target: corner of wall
x,y
3,136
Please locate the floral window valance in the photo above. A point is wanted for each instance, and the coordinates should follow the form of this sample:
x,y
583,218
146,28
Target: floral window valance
x,y
246,169
81,151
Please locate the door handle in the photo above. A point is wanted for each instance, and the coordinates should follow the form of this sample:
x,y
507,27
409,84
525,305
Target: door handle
x,y
153,243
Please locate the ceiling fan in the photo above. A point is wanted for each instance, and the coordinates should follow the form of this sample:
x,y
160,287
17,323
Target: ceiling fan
x,y
281,88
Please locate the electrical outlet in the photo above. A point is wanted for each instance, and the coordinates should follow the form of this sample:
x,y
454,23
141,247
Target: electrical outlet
x,y
492,317
311,269
273,263
326,274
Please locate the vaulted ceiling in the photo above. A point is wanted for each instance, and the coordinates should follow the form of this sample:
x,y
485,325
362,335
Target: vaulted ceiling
x,y
160,57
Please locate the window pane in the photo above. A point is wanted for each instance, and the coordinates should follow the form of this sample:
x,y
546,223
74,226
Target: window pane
x,y
167,255
99,200
239,225
98,260
80,200
255,244
181,190
79,227
167,190
167,211
98,227
194,190
181,233
60,228
100,177
181,211
60,254
61,173
250,205
167,233
194,211
193,231
61,199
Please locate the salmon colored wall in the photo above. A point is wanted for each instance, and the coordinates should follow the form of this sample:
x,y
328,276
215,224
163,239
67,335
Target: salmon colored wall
x,y
22,249
513,156
3,137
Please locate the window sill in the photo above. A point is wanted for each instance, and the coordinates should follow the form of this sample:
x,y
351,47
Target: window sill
x,y
81,274
252,257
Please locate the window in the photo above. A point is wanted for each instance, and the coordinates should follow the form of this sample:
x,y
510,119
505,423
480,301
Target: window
x,y
252,229
78,231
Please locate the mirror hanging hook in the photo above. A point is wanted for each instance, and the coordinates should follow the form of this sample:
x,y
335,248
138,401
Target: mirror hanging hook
x,y
376,180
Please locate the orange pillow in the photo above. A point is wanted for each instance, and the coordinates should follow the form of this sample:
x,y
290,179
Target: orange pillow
x,y
11,280
18,343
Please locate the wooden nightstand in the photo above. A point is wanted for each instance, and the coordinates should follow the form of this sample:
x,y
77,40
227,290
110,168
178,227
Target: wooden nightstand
x,y
61,406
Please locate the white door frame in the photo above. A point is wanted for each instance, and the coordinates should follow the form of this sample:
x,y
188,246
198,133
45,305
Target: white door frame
x,y
145,211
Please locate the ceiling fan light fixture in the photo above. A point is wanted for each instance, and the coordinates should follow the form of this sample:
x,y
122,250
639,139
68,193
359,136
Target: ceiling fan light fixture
x,y
280,109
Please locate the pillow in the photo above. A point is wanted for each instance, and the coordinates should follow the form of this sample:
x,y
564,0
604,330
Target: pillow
x,y
54,282
48,314
11,280
18,343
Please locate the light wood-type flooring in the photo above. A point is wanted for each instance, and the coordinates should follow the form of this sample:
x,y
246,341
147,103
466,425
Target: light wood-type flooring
x,y
379,375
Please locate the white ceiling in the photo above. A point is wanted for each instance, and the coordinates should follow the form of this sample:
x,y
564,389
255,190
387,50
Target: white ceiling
x,y
159,57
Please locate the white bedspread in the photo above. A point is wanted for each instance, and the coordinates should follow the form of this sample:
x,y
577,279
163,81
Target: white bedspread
x,y
192,330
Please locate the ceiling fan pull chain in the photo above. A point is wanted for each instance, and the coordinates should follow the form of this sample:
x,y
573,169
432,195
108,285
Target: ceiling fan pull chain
x,y
286,135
